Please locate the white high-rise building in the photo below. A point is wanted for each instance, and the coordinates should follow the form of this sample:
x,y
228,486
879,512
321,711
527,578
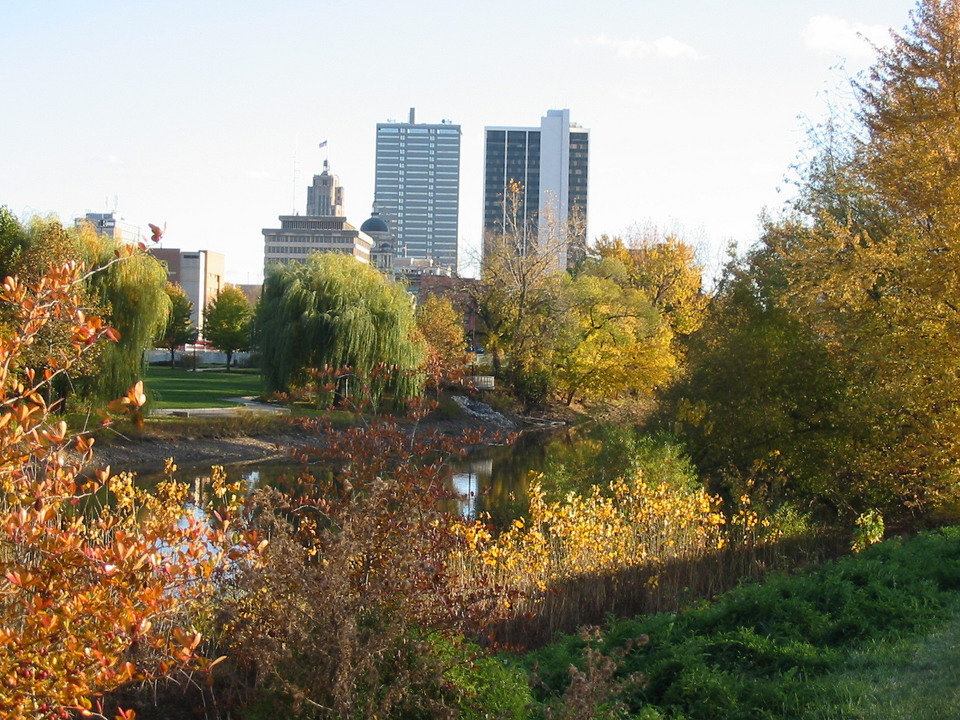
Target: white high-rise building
x,y
417,189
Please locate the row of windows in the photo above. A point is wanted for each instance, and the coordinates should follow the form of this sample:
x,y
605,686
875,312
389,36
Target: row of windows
x,y
416,193
422,158
442,226
423,150
412,167
402,129
300,250
438,160
438,145
312,225
325,238
420,190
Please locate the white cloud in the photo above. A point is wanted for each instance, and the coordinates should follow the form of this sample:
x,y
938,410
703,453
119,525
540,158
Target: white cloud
x,y
106,160
664,48
832,35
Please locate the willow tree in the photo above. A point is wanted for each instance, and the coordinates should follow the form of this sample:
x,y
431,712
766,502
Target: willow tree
x,y
131,295
331,310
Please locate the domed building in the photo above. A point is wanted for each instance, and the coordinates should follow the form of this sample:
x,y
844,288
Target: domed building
x,y
382,252
374,225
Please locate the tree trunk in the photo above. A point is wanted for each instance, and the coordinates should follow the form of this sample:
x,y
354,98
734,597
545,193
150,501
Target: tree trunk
x,y
229,356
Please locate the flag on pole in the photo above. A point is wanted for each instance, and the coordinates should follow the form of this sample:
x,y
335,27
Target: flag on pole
x,y
323,144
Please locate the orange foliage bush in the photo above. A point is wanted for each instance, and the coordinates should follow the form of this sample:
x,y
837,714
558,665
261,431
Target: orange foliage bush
x,y
100,582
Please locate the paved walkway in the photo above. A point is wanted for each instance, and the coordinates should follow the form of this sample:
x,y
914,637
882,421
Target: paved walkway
x,y
243,405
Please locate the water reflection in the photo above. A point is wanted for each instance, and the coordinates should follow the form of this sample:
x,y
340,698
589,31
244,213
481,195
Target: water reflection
x,y
491,480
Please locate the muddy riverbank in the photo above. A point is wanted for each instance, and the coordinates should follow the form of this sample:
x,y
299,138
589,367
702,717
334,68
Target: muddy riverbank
x,y
193,447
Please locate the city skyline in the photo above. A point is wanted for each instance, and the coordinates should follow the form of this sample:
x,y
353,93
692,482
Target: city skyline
x,y
199,118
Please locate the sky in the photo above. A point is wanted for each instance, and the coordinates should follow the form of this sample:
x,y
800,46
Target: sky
x,y
207,116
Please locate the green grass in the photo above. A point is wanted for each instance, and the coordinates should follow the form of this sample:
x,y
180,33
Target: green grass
x,y
177,388
906,680
868,636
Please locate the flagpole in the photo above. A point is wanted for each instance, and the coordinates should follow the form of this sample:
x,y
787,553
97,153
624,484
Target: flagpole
x,y
326,156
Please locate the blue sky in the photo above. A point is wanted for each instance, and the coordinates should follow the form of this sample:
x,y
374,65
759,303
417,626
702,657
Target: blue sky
x,y
192,113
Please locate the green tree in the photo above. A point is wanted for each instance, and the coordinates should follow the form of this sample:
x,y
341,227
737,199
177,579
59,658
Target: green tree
x,y
830,363
331,310
179,330
762,403
227,321
128,295
29,250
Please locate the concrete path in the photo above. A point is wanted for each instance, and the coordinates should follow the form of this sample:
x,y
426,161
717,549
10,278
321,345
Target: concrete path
x,y
244,405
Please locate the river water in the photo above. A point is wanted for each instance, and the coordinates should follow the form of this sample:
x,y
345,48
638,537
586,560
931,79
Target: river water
x,y
490,479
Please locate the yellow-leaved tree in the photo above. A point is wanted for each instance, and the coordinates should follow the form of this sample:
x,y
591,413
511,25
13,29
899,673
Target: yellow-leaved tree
x,y
884,297
442,328
615,341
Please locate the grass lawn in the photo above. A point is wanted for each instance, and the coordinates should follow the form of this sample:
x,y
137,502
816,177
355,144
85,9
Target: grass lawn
x,y
179,388
907,680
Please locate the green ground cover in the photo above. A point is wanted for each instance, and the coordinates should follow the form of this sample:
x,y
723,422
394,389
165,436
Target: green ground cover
x,y
868,636
907,680
178,388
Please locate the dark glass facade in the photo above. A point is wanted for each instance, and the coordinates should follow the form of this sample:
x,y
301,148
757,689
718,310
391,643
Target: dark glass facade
x,y
514,155
511,157
577,193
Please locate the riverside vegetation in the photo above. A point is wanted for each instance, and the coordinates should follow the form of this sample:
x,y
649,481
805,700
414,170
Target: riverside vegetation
x,y
805,407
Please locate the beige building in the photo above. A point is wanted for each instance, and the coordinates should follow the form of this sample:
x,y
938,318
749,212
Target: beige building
x,y
199,273
113,225
301,235
325,196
